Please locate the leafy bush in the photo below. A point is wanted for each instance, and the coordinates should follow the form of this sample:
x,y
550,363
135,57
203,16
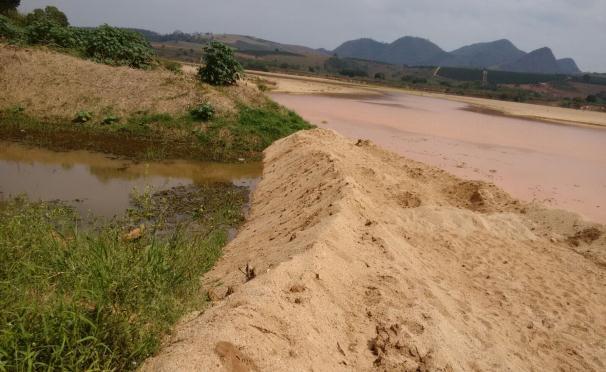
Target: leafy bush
x,y
9,30
220,65
105,44
48,32
49,13
83,117
8,5
110,119
204,112
115,46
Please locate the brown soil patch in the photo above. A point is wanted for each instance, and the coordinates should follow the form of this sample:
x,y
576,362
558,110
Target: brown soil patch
x,y
470,279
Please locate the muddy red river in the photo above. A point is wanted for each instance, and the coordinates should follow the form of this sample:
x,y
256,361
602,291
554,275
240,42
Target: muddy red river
x,y
562,166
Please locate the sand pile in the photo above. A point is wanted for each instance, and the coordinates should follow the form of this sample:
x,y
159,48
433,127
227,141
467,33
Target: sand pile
x,y
367,261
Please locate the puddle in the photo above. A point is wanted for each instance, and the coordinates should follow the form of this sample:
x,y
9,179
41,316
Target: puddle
x,y
100,185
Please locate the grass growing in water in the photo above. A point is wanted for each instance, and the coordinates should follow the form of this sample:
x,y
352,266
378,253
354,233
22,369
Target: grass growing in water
x,y
75,300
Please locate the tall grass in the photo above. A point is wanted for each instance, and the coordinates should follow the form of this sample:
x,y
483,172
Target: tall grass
x,y
89,300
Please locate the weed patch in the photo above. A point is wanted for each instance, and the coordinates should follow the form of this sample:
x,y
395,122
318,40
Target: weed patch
x,y
74,299
154,136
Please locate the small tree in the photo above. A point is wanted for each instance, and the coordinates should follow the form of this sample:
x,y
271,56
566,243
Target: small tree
x,y
7,5
50,13
220,65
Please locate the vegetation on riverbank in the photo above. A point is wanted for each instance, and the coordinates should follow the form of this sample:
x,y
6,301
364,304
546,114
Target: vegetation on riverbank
x,y
242,134
104,44
97,298
69,103
53,97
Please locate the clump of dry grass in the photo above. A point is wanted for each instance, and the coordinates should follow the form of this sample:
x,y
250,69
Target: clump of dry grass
x,y
54,85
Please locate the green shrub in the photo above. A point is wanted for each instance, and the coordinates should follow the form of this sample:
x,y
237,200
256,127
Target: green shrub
x,y
9,5
49,13
204,112
48,32
83,117
9,30
220,65
110,119
115,46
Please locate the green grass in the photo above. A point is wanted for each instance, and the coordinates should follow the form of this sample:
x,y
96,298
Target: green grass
x,y
88,300
243,134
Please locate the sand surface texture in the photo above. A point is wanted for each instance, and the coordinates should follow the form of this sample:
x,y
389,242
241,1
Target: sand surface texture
x,y
368,261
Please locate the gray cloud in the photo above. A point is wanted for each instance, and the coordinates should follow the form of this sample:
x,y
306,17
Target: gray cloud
x,y
572,28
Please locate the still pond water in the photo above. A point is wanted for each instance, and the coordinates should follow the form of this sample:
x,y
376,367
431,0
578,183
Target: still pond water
x,y
100,185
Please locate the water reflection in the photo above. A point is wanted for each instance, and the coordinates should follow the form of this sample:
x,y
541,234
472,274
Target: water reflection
x,y
99,184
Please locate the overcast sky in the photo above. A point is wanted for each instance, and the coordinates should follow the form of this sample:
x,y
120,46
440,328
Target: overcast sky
x,y
572,28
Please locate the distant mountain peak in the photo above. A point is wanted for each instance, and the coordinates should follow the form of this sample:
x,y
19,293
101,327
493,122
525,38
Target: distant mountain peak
x,y
408,50
540,60
499,54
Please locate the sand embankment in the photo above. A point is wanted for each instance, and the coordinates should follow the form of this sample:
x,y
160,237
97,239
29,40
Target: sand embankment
x,y
368,261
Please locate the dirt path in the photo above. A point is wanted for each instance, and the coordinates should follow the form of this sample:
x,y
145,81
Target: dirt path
x,y
367,261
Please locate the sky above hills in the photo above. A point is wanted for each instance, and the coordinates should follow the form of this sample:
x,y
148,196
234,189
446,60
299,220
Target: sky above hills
x,y
572,28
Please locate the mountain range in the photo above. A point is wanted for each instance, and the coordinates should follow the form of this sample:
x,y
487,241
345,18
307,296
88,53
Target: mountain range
x,y
496,55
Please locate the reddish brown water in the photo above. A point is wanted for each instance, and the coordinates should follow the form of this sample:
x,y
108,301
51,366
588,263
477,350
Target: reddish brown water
x,y
558,165
97,184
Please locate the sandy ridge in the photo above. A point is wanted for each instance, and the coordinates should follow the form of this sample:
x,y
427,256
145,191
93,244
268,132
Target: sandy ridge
x,y
368,261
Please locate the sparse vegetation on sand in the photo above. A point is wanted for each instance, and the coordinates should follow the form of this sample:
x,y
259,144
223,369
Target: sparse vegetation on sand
x,y
64,102
101,298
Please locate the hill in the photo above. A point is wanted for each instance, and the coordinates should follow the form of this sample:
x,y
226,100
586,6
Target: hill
x,y
411,51
483,55
568,66
404,51
499,55
538,61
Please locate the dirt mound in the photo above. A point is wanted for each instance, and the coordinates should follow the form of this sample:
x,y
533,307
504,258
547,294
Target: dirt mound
x,y
368,261
50,84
